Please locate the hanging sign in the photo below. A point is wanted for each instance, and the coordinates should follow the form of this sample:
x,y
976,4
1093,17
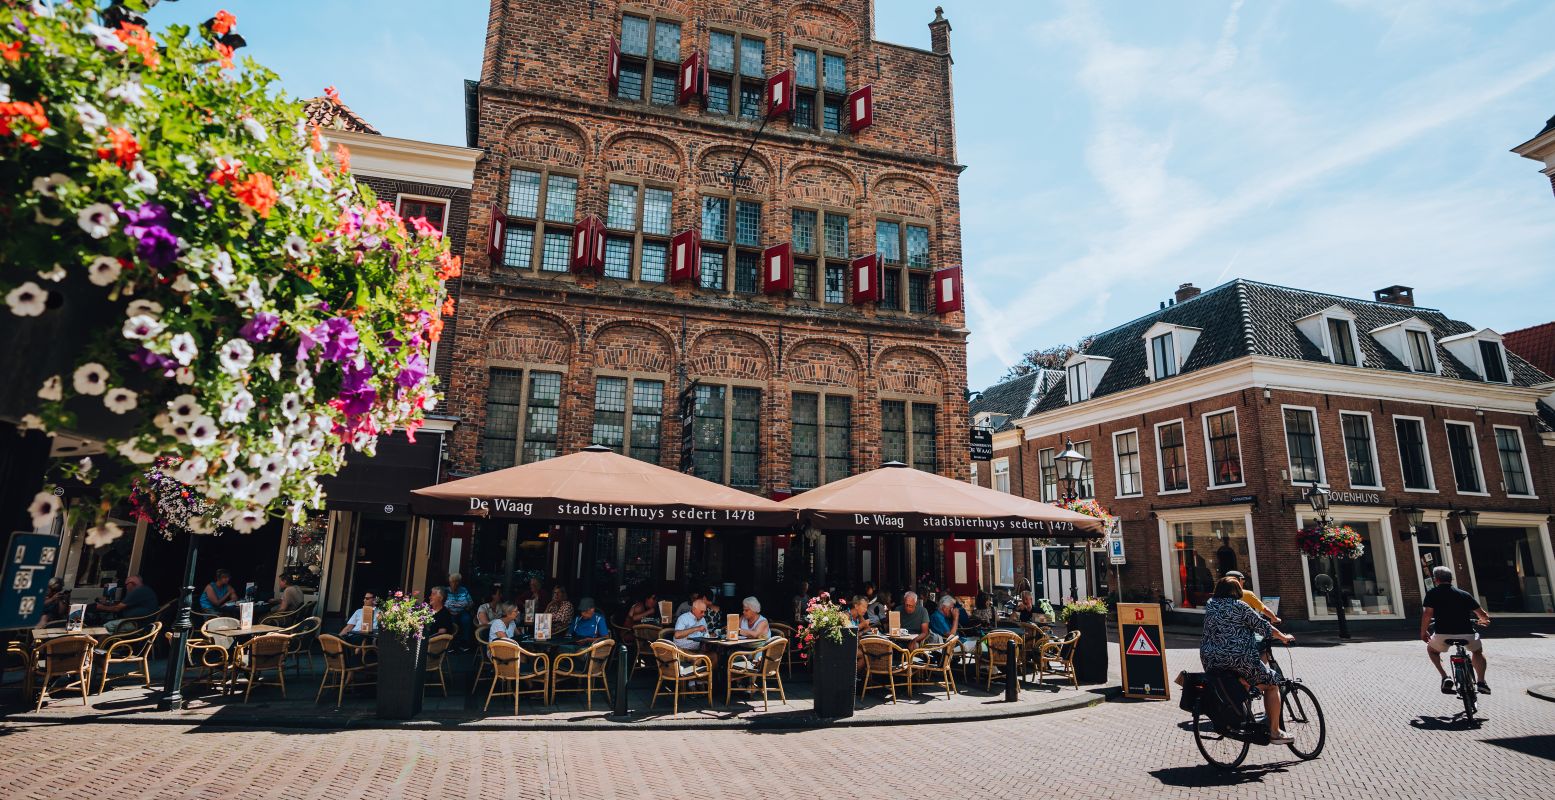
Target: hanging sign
x,y
29,563
981,444
1143,646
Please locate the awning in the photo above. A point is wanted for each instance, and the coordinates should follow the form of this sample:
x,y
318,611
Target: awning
x,y
382,483
899,499
596,485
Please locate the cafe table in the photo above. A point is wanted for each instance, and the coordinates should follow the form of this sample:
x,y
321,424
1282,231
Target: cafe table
x,y
252,630
41,635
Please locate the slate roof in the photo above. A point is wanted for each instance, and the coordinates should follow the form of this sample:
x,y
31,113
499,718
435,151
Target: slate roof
x,y
1246,318
1536,345
332,115
1014,397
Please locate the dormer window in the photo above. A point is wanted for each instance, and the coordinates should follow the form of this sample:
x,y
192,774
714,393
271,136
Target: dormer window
x,y
1341,342
1332,330
1166,349
1482,352
1079,383
1411,342
1083,375
1493,359
1422,354
1163,356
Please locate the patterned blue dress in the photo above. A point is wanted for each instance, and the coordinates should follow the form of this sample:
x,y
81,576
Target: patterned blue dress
x,y
1229,643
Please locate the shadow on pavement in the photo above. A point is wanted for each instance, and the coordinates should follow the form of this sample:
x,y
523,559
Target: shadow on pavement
x,y
1456,722
1206,775
1541,746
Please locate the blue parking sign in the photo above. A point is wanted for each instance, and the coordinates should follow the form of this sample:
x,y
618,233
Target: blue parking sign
x,y
29,563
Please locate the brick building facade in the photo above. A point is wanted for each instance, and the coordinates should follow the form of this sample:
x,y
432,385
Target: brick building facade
x,y
1206,458
579,113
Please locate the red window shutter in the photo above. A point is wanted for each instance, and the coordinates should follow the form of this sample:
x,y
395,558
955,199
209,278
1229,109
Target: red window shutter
x,y
599,246
703,81
866,279
861,109
499,235
613,64
780,93
947,290
690,79
588,245
685,255
777,268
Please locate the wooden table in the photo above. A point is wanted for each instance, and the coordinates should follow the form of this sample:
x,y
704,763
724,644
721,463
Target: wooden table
x,y
252,630
41,635
552,645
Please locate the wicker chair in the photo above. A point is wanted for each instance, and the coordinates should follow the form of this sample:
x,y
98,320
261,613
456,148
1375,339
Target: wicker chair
x,y
482,657
303,634
263,654
132,649
1056,656
512,664
351,664
756,671
883,657
1035,636
437,650
212,629
285,619
993,652
785,631
585,667
678,668
212,662
137,624
932,665
63,657
643,637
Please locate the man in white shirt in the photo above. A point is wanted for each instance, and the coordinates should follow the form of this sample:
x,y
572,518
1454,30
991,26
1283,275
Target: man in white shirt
x,y
691,627
363,621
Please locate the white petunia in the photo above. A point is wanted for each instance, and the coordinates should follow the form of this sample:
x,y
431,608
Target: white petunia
x,y
90,379
273,366
304,379
90,117
43,219
104,534
184,407
103,270
137,307
191,469
55,273
105,38
202,431
264,489
245,520
132,453
142,179
97,219
238,407
182,348
43,508
290,405
184,376
30,422
142,326
252,296
27,300
120,400
255,129
183,284
130,92
297,247
5,94
236,483
52,185
235,356
51,389
221,269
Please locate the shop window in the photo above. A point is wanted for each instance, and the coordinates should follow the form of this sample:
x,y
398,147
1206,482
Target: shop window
x,y
1511,570
1367,581
1204,551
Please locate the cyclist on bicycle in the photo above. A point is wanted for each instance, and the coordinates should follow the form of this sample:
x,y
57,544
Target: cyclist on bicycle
x,y
1454,611
1229,646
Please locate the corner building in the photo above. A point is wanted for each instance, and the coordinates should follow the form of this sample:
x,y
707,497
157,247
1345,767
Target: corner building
x,y
587,133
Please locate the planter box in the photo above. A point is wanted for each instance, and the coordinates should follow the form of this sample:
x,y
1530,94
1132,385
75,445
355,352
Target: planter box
x,y
832,667
1090,657
401,676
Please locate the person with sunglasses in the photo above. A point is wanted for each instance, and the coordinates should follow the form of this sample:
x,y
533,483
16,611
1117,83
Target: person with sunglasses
x,y
363,622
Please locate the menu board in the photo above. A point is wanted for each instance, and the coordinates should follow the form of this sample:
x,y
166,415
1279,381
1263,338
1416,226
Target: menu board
x,y
542,627
246,615
529,610
366,624
893,621
732,626
77,617
666,611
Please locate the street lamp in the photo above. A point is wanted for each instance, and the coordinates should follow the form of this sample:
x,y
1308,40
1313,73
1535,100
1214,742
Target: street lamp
x,y
1317,496
1413,516
1070,463
1467,519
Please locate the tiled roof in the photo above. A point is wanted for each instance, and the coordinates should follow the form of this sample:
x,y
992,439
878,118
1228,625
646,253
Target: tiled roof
x,y
1014,397
1546,417
333,115
1536,345
1245,318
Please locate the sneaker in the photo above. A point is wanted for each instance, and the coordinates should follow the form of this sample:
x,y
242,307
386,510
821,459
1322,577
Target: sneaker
x,y
1484,688
1281,738
1447,687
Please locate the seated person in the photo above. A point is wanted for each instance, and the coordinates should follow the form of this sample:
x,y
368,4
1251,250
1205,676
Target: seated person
x,y
982,609
505,626
859,616
645,608
442,617
56,601
915,619
218,593
685,605
560,608
691,627
881,606
1026,610
363,622
752,624
589,625
489,610
945,622
291,594
138,600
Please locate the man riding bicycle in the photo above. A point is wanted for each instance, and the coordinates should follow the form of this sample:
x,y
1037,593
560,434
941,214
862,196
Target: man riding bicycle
x,y
1454,611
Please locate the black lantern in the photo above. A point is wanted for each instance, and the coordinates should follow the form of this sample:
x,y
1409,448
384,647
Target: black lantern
x,y
1413,516
1070,463
1318,497
1467,520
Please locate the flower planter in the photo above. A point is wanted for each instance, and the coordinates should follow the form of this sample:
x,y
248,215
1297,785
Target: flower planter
x,y
832,667
1090,657
401,676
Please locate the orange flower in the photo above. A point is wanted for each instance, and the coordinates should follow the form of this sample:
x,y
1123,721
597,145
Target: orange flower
x,y
316,140
121,148
449,267
435,329
223,22
226,172
225,53
343,156
448,307
140,41
334,96
31,113
12,51
257,191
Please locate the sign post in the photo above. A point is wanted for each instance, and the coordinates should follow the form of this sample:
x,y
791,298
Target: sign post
x,y
687,409
29,563
1143,643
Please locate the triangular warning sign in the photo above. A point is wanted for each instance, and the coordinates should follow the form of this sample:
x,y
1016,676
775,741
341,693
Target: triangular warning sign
x,y
1141,645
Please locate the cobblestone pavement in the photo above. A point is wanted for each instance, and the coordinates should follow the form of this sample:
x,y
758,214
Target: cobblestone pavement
x,y
1390,735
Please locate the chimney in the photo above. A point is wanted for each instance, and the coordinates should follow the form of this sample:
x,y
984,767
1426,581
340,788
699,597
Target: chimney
x,y
1396,295
939,32
1187,291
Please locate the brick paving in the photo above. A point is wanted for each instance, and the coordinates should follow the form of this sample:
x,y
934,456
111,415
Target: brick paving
x,y
1387,734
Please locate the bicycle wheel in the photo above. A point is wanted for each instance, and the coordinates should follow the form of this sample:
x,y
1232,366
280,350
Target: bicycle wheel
x,y
1302,718
1220,751
1466,689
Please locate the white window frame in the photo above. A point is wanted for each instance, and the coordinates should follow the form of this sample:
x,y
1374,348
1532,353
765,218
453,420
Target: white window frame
x,y
1001,469
1409,350
1042,479
1155,369
1315,327
1328,339
1425,446
1079,387
1376,460
1165,520
1209,456
1117,465
1479,467
1466,348
1160,464
1522,451
1317,438
1003,553
973,479
1382,520
1506,367
421,198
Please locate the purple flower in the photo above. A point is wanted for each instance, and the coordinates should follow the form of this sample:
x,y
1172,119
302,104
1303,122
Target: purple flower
x,y
357,374
413,373
200,199
354,404
260,326
149,361
148,225
342,340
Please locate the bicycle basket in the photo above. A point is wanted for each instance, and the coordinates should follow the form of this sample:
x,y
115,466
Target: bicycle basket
x,y
1192,684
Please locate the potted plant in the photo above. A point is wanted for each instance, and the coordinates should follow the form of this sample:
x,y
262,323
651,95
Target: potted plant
x,y
830,646
1089,617
402,657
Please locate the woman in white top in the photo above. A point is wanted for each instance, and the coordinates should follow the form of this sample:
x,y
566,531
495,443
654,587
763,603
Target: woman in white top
x,y
752,624
505,626
487,613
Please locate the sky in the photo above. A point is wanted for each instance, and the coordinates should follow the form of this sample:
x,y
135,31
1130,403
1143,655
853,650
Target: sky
x,y
1117,149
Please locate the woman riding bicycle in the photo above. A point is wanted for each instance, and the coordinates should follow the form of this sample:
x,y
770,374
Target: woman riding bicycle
x,y
1229,646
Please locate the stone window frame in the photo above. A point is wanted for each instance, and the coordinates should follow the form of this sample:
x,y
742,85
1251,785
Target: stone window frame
x,y
649,62
632,377
738,81
527,369
904,271
730,249
538,225
399,204
912,400
819,260
821,394
639,236
729,384
818,94
1210,464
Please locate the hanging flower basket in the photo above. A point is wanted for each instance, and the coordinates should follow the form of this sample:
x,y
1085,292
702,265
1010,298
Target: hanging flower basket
x,y
1090,508
1330,540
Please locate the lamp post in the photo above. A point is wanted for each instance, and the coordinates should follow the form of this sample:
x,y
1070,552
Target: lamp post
x,y
1317,496
1071,463
172,698
1413,516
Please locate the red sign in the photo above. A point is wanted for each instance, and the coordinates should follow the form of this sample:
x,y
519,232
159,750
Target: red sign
x,y
780,93
1141,645
861,109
